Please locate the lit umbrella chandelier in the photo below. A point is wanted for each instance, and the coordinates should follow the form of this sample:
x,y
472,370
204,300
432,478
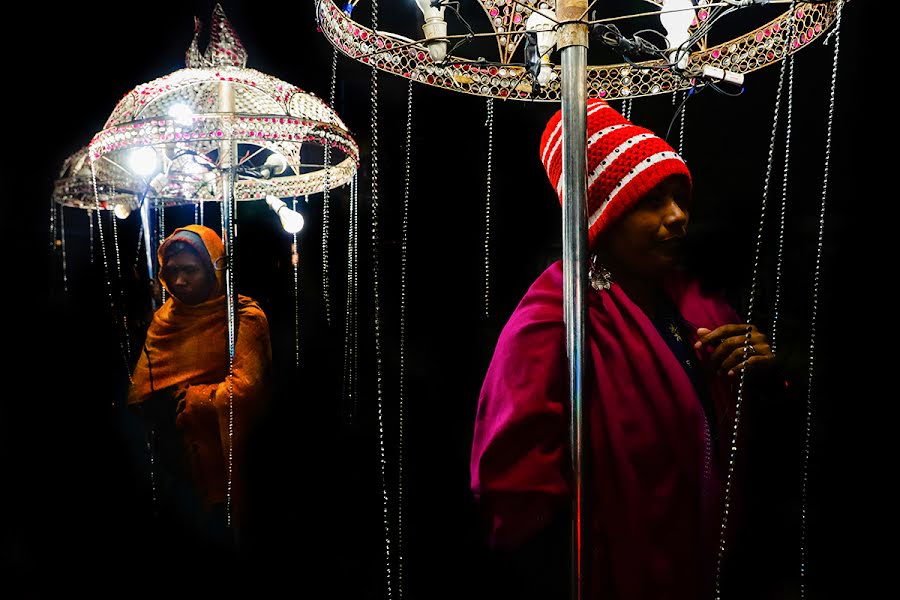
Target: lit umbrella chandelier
x,y
215,131
679,61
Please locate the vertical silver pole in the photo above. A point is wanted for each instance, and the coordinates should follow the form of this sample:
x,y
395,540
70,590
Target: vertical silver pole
x,y
573,40
148,247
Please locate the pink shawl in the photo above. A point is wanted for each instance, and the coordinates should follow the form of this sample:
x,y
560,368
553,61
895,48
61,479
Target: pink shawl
x,y
653,483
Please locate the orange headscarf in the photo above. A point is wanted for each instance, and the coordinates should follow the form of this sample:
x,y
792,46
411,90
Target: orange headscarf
x,y
187,348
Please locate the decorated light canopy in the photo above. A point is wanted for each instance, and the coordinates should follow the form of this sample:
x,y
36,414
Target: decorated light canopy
x,y
164,140
505,77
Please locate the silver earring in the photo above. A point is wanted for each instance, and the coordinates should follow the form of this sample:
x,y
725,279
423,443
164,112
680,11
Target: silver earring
x,y
599,275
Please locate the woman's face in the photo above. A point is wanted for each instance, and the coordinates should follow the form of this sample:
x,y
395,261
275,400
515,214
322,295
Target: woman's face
x,y
187,278
646,241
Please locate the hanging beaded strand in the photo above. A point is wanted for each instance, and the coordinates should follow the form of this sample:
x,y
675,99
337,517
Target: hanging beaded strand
x,y
351,340
676,96
377,315
62,240
228,156
355,359
295,262
489,124
53,233
740,393
326,197
815,307
326,202
114,226
784,197
402,383
197,213
90,214
161,237
109,292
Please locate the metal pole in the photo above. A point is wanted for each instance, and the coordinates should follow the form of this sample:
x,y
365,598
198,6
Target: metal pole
x,y
148,246
573,42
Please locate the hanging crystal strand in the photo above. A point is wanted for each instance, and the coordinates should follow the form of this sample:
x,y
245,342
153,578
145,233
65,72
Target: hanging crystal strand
x,y
53,237
740,393
326,202
197,212
676,96
114,225
228,158
333,96
62,239
55,243
784,197
402,386
346,389
626,108
815,306
295,261
90,213
489,123
150,454
355,363
202,206
351,341
377,315
161,237
109,292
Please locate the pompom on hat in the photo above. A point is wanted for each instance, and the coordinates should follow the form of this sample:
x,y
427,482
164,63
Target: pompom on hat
x,y
624,163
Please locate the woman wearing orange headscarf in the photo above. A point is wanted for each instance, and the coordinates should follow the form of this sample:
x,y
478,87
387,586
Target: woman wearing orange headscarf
x,y
181,383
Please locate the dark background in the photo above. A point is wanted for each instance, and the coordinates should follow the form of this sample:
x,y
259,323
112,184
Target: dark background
x,y
74,498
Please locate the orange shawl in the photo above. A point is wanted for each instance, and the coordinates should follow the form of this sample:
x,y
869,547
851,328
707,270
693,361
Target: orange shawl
x,y
188,346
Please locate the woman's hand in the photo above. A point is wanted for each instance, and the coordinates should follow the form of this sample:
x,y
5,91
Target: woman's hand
x,y
731,342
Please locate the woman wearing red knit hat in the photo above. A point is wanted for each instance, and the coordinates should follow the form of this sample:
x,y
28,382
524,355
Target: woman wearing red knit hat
x,y
662,363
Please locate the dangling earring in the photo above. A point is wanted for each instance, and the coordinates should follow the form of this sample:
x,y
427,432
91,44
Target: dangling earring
x,y
599,275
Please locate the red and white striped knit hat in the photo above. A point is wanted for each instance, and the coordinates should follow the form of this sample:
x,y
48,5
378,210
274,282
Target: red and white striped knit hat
x,y
624,162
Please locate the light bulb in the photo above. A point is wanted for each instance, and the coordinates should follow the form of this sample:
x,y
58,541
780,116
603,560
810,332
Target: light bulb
x,y
143,160
677,26
182,114
122,211
291,220
275,164
545,74
543,22
435,30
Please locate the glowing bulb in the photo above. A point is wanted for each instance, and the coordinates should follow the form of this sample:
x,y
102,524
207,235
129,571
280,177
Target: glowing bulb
x,y
143,160
545,74
182,114
435,29
542,21
275,164
291,220
430,11
122,211
677,25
